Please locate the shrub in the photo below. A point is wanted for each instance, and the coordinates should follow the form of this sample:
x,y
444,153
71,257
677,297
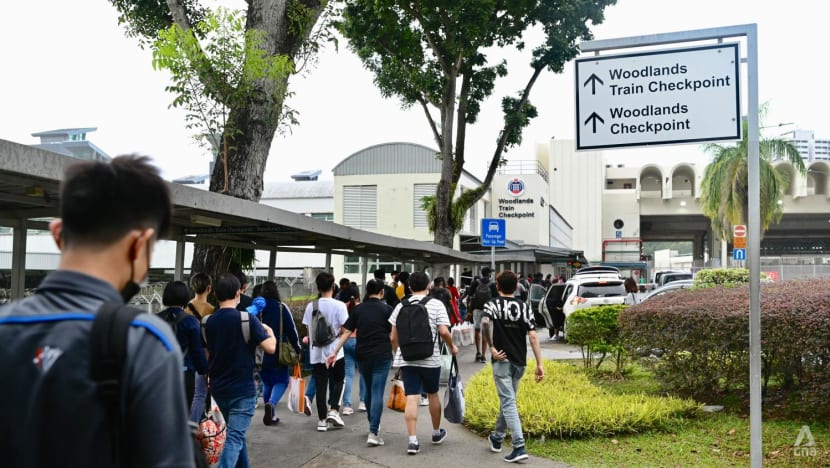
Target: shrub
x,y
566,404
727,277
596,331
703,337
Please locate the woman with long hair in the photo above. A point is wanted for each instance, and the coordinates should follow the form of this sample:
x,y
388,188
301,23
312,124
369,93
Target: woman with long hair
x,y
274,375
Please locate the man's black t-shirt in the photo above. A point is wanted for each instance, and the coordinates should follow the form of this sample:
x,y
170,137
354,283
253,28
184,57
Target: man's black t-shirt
x,y
512,320
371,320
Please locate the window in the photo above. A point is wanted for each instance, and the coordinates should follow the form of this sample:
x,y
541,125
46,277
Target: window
x,y
420,218
351,264
360,206
323,216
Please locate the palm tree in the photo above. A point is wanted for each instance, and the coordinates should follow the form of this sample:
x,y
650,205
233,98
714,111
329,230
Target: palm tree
x,y
725,188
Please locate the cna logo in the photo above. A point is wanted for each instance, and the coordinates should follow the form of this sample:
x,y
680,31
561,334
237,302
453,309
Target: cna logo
x,y
516,187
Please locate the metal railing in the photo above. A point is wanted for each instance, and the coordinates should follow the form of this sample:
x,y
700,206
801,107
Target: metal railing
x,y
523,166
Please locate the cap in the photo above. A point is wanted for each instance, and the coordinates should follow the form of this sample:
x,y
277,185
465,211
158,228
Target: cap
x,y
256,306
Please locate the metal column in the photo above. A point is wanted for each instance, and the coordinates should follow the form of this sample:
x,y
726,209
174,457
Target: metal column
x,y
19,259
272,265
178,272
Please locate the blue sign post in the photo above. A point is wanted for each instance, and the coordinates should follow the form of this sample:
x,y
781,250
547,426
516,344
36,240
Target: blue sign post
x,y
493,234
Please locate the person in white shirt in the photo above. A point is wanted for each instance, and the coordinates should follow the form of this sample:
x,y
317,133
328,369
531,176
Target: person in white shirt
x,y
335,312
423,374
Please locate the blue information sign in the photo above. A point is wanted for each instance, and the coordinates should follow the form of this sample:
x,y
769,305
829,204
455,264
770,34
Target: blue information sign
x,y
493,232
738,254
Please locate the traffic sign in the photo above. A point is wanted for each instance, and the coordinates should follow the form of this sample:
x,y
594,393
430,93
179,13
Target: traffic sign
x,y
739,230
738,254
739,242
493,232
658,97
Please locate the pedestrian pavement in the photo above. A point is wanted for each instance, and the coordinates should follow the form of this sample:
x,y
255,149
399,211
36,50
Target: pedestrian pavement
x,y
295,442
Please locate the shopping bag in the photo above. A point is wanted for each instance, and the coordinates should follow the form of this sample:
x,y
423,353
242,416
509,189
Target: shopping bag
x,y
468,336
454,403
446,364
397,395
212,433
296,391
456,335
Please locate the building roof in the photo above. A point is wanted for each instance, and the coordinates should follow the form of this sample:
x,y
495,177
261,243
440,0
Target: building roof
x,y
305,189
64,131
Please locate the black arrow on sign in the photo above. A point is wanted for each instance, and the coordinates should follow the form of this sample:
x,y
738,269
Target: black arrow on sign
x,y
593,80
594,117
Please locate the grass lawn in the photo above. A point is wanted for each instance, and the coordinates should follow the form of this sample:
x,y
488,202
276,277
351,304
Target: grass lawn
x,y
708,440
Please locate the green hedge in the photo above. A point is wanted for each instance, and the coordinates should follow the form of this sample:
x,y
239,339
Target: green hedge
x,y
596,331
566,404
702,338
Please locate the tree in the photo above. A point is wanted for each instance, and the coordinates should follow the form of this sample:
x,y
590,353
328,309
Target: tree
x,y
433,54
249,104
724,190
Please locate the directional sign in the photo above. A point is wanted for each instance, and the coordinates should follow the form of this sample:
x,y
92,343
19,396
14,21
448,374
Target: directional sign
x,y
738,254
493,232
658,97
739,242
739,230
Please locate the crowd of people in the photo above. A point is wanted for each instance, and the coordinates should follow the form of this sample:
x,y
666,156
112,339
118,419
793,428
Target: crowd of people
x,y
165,369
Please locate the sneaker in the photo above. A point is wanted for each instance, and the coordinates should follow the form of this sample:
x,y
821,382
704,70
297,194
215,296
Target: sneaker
x,y
269,413
413,448
374,440
347,411
482,360
478,357
495,445
439,438
361,407
307,407
424,401
334,419
518,454
322,425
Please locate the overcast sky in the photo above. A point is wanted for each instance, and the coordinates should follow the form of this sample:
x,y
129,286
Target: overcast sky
x,y
68,64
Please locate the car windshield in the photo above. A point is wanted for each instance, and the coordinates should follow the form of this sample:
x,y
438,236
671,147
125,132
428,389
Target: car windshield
x,y
602,289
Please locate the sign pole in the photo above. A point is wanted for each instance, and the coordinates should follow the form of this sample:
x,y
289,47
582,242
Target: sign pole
x,y
754,253
493,258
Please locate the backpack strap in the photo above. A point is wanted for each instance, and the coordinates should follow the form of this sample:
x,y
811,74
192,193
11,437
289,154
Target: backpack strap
x,y
109,351
195,311
204,327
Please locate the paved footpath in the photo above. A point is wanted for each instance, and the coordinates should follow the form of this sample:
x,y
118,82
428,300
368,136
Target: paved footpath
x,y
295,442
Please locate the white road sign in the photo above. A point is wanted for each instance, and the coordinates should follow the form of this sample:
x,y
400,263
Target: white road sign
x,y
658,97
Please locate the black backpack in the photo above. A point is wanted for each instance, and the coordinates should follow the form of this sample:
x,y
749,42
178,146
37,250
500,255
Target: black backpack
x,y
321,332
414,332
168,316
109,352
482,294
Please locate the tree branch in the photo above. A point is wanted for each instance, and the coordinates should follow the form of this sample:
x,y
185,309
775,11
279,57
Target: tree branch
x,y
461,130
430,40
435,133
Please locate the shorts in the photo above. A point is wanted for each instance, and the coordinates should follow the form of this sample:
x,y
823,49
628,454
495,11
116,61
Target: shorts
x,y
477,314
417,379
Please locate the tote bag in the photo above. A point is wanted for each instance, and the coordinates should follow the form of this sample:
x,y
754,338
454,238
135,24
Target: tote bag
x,y
454,403
397,395
296,391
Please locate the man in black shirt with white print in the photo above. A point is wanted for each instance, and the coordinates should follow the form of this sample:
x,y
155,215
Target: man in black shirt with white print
x,y
505,325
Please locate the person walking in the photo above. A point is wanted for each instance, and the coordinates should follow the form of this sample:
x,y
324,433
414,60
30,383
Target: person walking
x,y
632,289
421,374
200,308
373,351
334,313
507,325
231,365
482,290
275,376
111,214
188,333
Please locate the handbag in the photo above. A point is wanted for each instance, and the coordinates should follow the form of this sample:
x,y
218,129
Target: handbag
x,y
446,364
212,432
467,334
287,353
296,391
397,395
454,404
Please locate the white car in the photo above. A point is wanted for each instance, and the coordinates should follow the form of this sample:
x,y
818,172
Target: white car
x,y
589,287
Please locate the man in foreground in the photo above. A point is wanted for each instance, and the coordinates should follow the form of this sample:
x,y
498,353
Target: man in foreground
x,y
505,324
110,217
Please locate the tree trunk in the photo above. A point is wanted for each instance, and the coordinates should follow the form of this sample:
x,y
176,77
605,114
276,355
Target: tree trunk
x,y
251,127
